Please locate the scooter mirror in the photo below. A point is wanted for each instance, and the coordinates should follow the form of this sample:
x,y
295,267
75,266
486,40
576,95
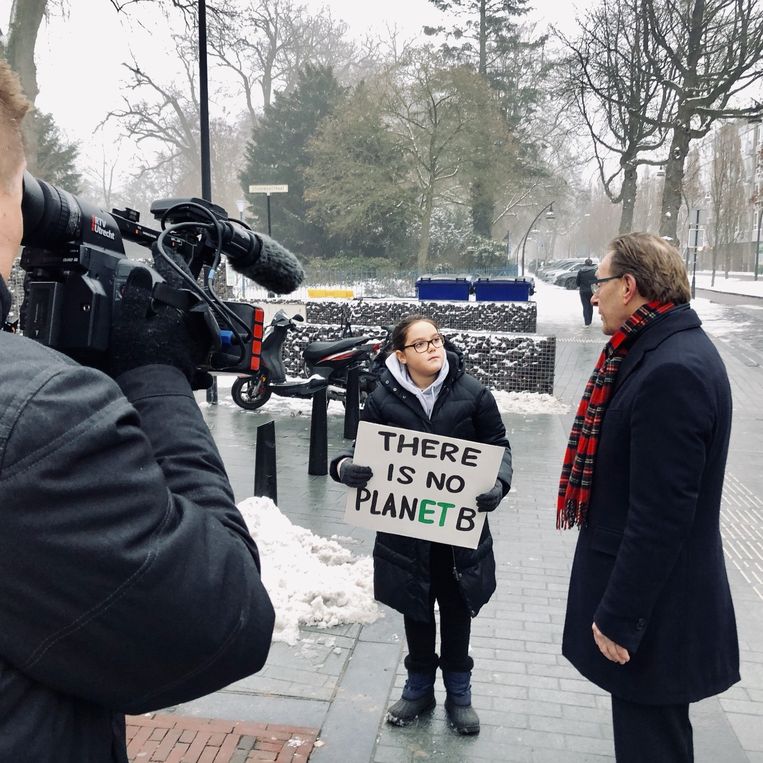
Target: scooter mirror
x,y
298,317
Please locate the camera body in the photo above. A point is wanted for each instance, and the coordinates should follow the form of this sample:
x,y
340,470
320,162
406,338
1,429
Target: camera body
x,y
76,267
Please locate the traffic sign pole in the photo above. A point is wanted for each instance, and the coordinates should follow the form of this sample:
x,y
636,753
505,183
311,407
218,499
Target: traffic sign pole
x,y
268,189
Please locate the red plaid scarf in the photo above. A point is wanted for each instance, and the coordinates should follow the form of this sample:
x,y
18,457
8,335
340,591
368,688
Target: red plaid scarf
x,y
580,456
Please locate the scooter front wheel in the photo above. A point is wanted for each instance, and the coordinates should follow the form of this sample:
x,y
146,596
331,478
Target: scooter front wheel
x,y
251,392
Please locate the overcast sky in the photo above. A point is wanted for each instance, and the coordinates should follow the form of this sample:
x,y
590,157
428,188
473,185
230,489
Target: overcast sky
x,y
79,53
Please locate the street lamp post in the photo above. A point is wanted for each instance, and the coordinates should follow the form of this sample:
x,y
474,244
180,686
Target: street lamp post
x,y
757,243
241,206
549,216
206,171
695,229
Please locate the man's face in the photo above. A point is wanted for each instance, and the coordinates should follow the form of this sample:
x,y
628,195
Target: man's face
x,y
11,222
610,298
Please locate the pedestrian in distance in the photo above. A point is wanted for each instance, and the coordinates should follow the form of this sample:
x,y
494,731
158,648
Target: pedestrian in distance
x,y
130,582
584,278
649,612
424,387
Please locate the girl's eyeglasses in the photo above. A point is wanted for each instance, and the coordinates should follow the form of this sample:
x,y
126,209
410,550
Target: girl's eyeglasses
x,y
422,345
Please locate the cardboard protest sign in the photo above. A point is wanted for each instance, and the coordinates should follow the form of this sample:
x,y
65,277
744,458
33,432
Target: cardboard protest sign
x,y
423,486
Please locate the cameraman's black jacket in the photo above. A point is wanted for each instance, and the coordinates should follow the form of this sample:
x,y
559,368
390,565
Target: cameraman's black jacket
x,y
129,581
465,409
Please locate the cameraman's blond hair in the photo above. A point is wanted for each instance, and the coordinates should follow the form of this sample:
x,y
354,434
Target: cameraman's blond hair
x,y
655,264
13,107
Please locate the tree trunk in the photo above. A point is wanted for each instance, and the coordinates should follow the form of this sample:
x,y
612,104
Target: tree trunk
x,y
483,39
628,191
426,225
482,210
674,174
26,17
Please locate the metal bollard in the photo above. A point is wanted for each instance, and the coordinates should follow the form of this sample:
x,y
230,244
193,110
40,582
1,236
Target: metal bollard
x,y
352,403
318,460
265,480
212,392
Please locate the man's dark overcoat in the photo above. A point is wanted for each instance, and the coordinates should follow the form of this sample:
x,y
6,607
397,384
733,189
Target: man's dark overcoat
x,y
465,409
649,567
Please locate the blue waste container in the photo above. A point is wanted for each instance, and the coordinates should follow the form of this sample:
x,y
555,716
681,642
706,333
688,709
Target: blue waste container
x,y
443,287
503,289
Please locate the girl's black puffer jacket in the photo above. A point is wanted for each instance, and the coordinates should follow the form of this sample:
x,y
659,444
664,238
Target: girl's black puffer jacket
x,y
465,409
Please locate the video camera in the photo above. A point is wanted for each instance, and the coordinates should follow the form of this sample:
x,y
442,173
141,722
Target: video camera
x,y
76,268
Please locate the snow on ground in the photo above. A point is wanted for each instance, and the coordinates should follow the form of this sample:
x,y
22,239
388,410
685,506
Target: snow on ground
x,y
714,318
557,305
736,283
311,580
528,403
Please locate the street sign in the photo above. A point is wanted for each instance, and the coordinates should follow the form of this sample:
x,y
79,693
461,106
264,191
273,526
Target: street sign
x,y
268,189
697,234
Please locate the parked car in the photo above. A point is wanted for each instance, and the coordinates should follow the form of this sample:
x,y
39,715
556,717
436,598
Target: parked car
x,y
567,277
550,274
553,265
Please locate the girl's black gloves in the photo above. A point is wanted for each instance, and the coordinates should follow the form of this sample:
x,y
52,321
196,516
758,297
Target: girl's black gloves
x,y
353,475
488,501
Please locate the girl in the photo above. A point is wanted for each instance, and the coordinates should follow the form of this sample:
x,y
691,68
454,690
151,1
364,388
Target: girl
x,y
424,387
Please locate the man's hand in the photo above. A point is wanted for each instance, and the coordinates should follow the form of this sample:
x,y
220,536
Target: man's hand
x,y
353,475
148,331
609,648
489,500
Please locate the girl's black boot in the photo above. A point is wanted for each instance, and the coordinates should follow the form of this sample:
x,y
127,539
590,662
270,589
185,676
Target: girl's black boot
x,y
418,694
458,702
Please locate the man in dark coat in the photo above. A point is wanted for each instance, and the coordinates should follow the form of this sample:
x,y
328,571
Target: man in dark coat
x,y
584,278
129,581
649,612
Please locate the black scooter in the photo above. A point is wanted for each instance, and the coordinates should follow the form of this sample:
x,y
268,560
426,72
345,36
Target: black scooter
x,y
326,363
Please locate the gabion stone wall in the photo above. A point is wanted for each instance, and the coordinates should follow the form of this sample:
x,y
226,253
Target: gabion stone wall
x,y
16,286
512,317
501,361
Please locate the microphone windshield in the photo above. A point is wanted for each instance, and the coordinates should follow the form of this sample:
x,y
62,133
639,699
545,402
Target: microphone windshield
x,y
276,268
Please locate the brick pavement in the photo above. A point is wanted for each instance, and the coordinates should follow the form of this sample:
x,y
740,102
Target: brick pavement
x,y
157,738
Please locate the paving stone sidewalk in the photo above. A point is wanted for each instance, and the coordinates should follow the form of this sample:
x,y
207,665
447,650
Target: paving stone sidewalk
x,y
533,705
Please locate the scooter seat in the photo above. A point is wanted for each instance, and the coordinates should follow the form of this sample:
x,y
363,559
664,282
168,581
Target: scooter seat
x,y
317,350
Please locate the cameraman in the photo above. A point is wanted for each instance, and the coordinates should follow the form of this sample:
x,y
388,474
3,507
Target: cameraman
x,y
129,581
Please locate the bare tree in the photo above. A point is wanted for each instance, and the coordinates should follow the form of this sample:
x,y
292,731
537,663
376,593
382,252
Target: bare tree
x,y
101,180
164,118
435,112
727,194
619,97
646,210
21,40
716,50
158,113
265,44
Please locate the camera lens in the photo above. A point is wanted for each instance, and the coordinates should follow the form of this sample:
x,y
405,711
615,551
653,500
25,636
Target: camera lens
x,y
51,216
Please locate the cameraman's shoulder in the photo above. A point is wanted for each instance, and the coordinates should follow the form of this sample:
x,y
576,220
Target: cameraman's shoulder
x,y
40,383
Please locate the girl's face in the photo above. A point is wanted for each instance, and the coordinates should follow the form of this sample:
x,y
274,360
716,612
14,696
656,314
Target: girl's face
x,y
426,364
